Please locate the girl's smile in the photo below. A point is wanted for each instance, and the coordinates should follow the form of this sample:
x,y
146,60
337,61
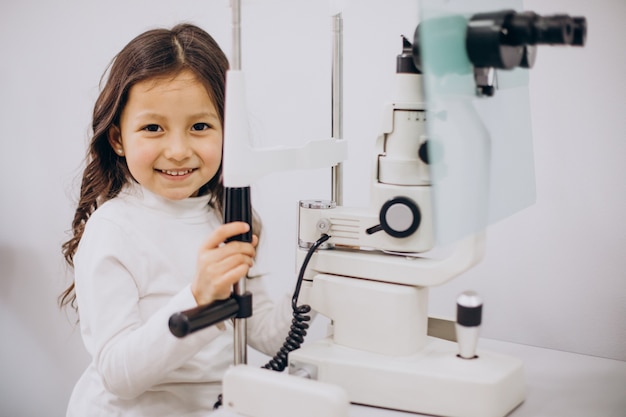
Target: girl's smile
x,y
175,174
170,134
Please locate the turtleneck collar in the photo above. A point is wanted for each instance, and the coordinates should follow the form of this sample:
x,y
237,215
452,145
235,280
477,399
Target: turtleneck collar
x,y
187,208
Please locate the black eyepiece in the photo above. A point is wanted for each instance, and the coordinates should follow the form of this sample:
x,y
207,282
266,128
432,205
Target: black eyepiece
x,y
529,28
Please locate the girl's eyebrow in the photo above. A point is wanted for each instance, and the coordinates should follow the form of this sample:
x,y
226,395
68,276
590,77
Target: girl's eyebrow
x,y
149,115
153,115
201,115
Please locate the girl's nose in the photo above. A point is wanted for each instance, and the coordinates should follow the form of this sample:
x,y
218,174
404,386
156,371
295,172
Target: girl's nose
x,y
178,147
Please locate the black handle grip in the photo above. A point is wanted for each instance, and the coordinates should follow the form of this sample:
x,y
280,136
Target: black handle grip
x,y
238,208
185,322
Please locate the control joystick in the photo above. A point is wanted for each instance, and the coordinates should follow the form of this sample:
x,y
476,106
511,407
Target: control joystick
x,y
469,308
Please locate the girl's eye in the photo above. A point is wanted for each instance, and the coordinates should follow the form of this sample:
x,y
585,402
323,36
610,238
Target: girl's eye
x,y
200,126
152,128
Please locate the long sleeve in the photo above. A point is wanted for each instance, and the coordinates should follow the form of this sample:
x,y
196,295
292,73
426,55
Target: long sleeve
x,y
124,321
133,269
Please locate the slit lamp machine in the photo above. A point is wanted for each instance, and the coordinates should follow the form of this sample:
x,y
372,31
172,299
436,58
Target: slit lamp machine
x,y
368,269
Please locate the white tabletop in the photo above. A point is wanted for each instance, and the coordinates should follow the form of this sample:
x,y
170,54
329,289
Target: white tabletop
x,y
559,384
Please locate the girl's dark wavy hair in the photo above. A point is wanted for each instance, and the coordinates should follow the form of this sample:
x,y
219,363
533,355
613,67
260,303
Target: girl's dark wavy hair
x,y
155,53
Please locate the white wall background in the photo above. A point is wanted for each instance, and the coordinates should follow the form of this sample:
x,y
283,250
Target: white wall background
x,y
554,275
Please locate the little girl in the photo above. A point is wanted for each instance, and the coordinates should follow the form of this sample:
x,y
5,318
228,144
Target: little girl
x,y
147,235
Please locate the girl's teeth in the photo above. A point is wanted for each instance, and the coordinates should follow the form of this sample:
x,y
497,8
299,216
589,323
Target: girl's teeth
x,y
177,172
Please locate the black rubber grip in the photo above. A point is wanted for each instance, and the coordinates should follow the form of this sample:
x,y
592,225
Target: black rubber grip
x,y
238,208
469,316
186,322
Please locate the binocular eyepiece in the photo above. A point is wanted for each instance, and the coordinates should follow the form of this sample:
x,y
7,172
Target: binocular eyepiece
x,y
507,39
528,28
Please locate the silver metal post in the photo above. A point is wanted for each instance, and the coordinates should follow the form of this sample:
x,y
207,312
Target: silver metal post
x,y
240,342
337,104
239,330
236,33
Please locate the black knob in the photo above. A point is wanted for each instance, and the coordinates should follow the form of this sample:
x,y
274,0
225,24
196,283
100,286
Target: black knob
x,y
399,217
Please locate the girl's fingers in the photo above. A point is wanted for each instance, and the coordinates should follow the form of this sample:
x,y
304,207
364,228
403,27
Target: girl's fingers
x,y
225,231
215,272
209,256
222,265
217,280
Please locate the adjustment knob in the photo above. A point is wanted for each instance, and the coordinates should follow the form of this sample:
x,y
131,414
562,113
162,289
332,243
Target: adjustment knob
x,y
469,309
399,217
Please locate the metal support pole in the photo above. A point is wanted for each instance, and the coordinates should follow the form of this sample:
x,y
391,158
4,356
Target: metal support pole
x,y
239,325
337,103
236,34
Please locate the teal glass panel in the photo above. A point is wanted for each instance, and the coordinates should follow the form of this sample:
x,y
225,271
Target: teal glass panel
x,y
481,155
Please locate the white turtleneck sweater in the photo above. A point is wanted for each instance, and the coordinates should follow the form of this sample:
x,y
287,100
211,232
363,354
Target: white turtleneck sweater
x,y
133,269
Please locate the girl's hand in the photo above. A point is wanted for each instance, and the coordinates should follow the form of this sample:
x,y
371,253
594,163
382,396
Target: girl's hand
x,y
220,265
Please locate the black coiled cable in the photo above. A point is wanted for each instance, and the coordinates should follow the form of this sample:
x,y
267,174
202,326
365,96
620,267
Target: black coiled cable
x,y
293,341
299,323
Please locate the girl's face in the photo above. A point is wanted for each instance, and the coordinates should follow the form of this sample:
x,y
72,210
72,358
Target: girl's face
x,y
170,134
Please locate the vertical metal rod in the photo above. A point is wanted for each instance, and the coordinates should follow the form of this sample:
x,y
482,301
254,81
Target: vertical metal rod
x,y
240,326
236,34
240,342
337,103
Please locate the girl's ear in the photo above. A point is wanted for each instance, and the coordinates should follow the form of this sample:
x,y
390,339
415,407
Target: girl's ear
x,y
115,140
